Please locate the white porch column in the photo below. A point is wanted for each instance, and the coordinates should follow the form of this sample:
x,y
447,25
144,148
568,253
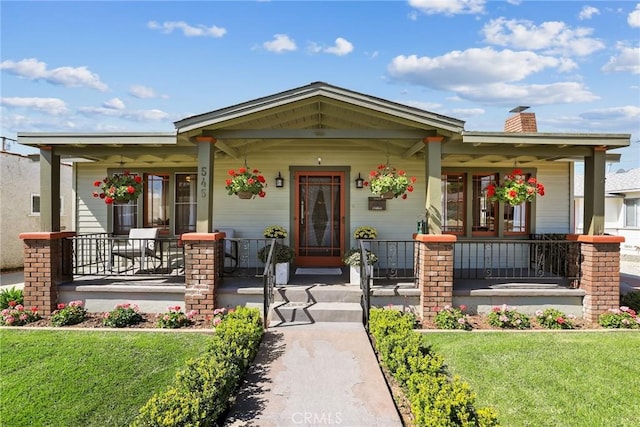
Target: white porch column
x,y
433,176
206,148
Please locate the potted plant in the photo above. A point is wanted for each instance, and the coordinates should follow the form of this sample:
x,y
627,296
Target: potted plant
x,y
353,259
365,232
387,182
275,232
515,189
119,187
245,184
283,255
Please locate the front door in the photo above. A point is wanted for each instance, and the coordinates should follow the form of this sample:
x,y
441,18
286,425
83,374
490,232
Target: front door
x,y
319,218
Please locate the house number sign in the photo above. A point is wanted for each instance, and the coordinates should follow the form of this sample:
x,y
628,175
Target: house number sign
x,y
203,182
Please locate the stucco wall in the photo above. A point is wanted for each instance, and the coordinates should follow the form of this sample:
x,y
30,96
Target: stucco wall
x,y
20,178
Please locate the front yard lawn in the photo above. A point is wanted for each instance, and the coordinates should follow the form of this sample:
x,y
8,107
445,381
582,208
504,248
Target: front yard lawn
x,y
549,378
86,378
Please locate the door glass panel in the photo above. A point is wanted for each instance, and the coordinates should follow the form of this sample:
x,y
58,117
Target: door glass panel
x,y
319,225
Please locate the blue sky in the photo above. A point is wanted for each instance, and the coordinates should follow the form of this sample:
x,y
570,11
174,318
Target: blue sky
x,y
139,66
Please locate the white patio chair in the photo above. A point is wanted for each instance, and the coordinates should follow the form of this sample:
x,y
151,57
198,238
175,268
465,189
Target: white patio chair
x,y
141,245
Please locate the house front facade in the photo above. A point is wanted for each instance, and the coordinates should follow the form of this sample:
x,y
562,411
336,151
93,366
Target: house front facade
x,y
316,147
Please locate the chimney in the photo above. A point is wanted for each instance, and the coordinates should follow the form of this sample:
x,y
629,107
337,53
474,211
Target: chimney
x,y
521,122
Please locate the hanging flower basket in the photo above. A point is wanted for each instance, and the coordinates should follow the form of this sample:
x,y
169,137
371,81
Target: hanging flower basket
x,y
387,182
245,184
119,188
516,189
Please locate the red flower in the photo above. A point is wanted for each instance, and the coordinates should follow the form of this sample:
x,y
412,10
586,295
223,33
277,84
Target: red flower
x,y
228,182
413,179
373,173
242,170
463,307
256,171
97,183
231,172
261,179
61,306
127,173
491,190
137,179
401,172
251,181
34,309
131,190
517,172
102,195
12,304
404,196
261,194
366,183
513,193
496,309
410,189
560,320
108,200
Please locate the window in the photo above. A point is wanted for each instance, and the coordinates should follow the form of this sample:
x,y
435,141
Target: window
x,y
185,201
125,217
467,211
156,201
453,203
35,205
632,213
484,211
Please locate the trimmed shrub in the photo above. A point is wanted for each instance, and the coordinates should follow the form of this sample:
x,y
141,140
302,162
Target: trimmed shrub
x,y
201,391
620,318
69,314
554,319
436,399
508,318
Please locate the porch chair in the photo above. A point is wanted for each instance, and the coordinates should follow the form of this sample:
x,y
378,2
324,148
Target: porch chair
x,y
141,244
230,250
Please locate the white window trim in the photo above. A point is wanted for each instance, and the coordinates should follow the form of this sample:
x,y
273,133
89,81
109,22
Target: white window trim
x,y
33,196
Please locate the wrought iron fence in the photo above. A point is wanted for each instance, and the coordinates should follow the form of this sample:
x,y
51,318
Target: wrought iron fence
x,y
101,254
268,282
517,259
246,257
394,259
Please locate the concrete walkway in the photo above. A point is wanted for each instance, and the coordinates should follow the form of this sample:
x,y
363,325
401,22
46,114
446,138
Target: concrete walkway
x,y
318,374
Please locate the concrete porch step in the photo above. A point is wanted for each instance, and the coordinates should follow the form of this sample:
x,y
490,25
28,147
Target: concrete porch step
x,y
302,312
318,293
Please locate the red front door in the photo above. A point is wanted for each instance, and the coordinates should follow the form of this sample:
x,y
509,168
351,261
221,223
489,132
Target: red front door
x,y
319,218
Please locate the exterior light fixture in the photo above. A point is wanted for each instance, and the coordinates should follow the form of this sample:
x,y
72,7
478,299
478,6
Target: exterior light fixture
x,y
359,181
279,181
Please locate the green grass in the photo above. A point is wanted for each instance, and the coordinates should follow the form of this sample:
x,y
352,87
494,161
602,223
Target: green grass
x,y
86,378
550,378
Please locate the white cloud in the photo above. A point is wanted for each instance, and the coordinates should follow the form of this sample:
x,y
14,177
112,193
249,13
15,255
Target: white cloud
x,y
634,17
627,60
132,115
468,112
552,37
188,30
52,106
587,12
32,69
471,66
114,104
140,91
448,7
341,48
280,43
625,114
487,75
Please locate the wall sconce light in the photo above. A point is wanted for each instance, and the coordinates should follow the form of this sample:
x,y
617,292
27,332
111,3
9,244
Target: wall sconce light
x,y
359,181
319,160
279,181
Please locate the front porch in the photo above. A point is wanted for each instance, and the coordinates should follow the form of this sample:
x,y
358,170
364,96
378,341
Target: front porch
x,y
527,274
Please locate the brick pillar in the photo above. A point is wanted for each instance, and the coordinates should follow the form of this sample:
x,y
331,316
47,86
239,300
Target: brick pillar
x,y
203,256
435,272
600,269
47,263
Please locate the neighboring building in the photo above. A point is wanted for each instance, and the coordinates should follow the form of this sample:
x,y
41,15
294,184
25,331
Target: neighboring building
x,y
20,203
622,208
